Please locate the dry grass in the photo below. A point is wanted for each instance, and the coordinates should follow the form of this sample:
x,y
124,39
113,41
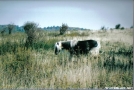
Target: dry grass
x,y
40,68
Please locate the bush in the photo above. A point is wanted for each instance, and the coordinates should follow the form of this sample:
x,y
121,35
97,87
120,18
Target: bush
x,y
8,47
3,31
18,67
63,29
117,26
122,28
30,29
10,27
44,44
103,28
131,27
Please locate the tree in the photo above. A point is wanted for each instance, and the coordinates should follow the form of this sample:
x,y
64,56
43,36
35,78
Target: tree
x,y
117,26
131,26
10,27
30,29
63,29
3,31
103,28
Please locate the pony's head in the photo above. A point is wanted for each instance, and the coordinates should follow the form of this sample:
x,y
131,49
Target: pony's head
x,y
58,47
67,45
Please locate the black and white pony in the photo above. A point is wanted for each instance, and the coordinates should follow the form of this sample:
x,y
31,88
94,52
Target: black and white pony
x,y
78,47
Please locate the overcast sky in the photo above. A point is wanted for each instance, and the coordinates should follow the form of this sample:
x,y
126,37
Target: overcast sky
x,y
90,14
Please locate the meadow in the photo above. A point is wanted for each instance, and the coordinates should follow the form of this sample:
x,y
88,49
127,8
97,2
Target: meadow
x,y
38,66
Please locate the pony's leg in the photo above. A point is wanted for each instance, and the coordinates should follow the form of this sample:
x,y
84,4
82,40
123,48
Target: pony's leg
x,y
71,54
70,57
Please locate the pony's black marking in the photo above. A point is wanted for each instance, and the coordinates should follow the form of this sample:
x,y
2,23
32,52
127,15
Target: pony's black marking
x,y
56,50
83,47
66,45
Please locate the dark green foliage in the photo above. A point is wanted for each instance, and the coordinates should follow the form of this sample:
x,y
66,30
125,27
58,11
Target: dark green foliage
x,y
131,26
12,47
30,29
117,26
19,66
111,62
8,47
10,27
123,50
46,45
122,28
18,63
103,28
63,29
3,31
118,48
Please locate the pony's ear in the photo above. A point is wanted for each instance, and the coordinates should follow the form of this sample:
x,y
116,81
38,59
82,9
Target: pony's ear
x,y
58,43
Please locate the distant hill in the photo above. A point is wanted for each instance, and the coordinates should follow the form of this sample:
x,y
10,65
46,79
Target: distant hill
x,y
16,28
58,28
20,28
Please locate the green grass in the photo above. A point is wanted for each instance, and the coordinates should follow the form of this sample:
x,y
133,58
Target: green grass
x,y
39,67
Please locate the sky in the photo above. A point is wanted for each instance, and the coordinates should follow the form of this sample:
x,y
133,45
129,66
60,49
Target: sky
x,y
89,14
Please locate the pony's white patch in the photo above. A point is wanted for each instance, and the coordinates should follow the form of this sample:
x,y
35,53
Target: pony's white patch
x,y
73,43
58,45
95,50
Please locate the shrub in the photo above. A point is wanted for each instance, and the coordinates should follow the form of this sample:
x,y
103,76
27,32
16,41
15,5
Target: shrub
x,y
131,27
18,67
63,29
117,26
122,28
103,28
8,47
30,29
10,27
44,44
3,31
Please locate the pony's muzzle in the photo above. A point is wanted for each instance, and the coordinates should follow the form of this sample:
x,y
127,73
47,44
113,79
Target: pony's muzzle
x,y
56,51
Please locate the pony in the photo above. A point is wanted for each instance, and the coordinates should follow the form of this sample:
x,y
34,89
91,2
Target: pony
x,y
76,47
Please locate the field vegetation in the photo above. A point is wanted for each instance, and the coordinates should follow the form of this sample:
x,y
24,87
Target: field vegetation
x,y
38,66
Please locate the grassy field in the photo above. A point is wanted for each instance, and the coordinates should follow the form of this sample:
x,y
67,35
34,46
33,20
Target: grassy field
x,y
39,67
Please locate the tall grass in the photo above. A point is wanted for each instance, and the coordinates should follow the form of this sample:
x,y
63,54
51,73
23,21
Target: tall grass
x,y
38,67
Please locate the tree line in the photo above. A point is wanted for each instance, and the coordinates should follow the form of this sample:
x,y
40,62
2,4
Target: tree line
x,y
118,26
